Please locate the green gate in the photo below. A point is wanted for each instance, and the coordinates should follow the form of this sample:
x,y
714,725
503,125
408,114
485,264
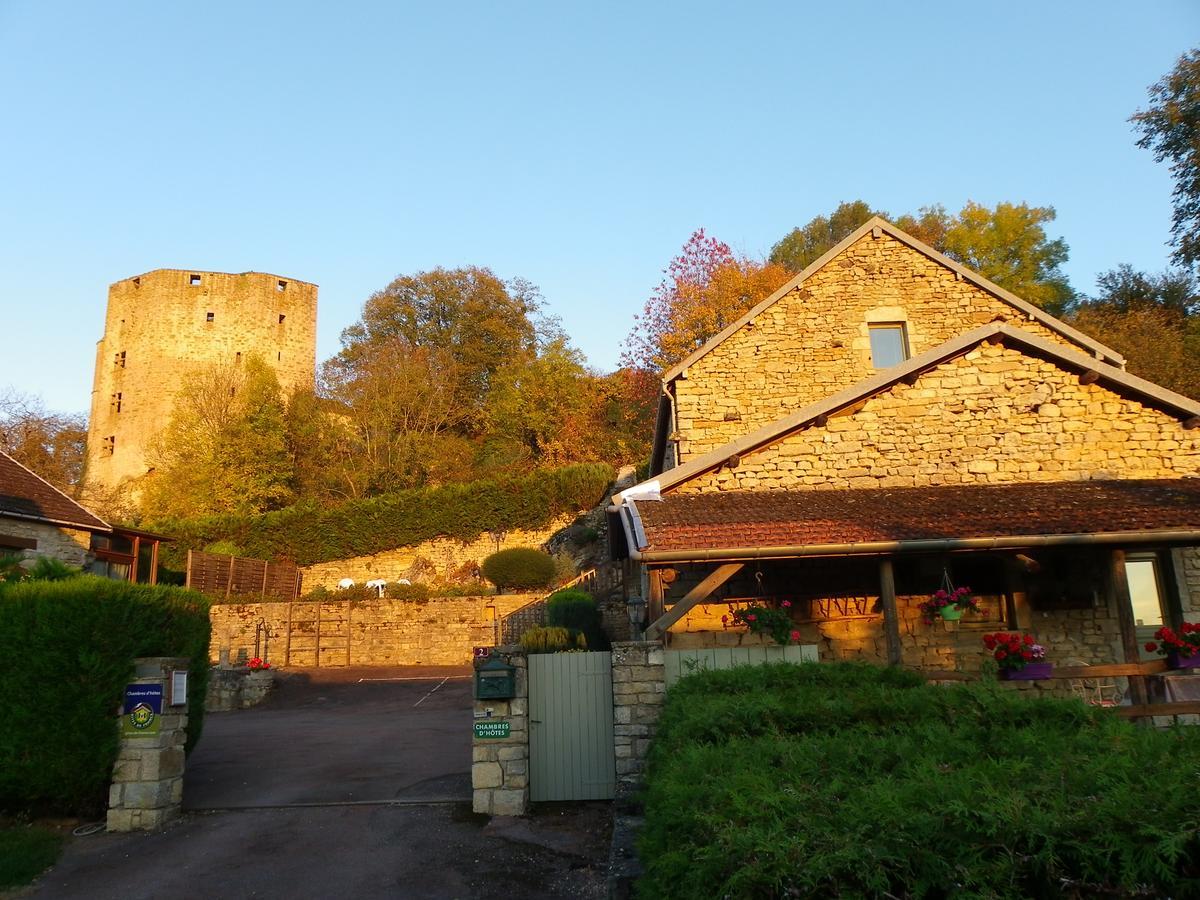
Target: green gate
x,y
571,727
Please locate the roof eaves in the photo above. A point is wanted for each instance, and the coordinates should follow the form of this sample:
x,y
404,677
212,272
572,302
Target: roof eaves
x,y
75,503
1182,406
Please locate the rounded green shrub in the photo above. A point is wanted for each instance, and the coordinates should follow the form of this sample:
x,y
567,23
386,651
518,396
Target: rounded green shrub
x,y
520,568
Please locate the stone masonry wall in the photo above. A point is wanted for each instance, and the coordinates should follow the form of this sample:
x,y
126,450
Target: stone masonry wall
x,y
815,340
443,555
157,331
993,415
639,688
439,631
70,545
500,766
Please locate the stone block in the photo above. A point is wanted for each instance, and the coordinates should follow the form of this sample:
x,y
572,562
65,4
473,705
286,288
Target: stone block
x,y
481,802
510,802
514,767
486,775
485,753
119,820
510,753
145,795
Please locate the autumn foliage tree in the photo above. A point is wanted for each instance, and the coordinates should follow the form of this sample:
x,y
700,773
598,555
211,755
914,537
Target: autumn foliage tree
x,y
706,289
52,445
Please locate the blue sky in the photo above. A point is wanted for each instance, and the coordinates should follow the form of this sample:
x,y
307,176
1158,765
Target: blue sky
x,y
575,145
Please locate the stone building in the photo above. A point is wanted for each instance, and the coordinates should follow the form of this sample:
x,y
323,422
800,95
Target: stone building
x,y
37,519
889,423
164,324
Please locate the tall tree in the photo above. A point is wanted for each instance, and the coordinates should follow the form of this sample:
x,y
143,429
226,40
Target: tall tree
x,y
706,288
224,449
52,445
467,315
1009,246
1152,320
1170,129
801,247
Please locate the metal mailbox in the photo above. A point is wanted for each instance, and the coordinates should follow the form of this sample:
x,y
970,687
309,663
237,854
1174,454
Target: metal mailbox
x,y
495,680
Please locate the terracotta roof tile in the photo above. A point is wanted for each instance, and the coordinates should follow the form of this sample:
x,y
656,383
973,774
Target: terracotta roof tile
x,y
785,518
24,494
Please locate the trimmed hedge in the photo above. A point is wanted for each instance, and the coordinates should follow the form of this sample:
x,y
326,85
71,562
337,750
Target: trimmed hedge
x,y
66,653
520,568
848,781
552,639
311,532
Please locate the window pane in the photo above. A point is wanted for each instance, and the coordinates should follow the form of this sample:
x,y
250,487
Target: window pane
x,y
1143,591
887,346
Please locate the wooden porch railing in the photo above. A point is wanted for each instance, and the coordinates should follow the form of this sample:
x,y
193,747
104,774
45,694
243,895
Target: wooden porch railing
x,y
1155,667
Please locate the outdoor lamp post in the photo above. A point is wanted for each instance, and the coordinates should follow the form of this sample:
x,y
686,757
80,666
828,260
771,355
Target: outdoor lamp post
x,y
637,612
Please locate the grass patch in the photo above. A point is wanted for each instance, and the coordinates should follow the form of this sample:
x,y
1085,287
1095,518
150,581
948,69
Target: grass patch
x,y
26,851
851,780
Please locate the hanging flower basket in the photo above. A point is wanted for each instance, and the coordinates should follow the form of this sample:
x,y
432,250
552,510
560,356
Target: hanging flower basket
x,y
951,613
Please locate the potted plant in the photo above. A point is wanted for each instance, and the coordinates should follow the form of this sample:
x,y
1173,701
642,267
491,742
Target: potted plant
x,y
770,620
1019,656
1181,650
949,604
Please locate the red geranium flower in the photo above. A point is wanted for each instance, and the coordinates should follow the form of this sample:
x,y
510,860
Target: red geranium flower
x,y
1151,646
795,635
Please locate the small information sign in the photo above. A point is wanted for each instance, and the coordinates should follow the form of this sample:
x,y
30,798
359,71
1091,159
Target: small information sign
x,y
143,709
482,652
486,730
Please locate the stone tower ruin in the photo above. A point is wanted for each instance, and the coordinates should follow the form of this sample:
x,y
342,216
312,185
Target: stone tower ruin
x,y
166,323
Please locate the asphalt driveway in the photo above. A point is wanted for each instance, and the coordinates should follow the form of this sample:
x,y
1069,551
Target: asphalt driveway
x,y
340,786
339,736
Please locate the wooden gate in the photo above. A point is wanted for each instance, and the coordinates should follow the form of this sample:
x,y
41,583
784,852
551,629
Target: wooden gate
x,y
571,753
683,662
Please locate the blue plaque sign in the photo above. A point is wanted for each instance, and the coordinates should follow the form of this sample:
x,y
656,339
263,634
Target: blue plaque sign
x,y
142,710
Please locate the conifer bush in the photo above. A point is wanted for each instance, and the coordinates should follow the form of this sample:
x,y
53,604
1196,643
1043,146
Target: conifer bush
x,y
520,568
577,611
66,653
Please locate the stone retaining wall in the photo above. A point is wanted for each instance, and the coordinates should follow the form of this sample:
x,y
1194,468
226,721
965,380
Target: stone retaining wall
x,y
439,631
439,558
639,688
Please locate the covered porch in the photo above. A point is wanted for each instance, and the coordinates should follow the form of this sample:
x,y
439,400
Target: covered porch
x,y
1091,569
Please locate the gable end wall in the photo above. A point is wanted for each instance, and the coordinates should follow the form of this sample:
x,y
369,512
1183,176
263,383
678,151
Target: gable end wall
x,y
991,416
814,341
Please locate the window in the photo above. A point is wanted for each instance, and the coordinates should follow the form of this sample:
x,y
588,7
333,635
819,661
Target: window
x,y
281,318
119,359
110,444
238,359
889,344
208,317
193,280
115,403
1144,590
281,285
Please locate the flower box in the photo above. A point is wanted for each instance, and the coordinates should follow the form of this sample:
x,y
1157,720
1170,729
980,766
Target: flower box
x,y
1034,671
1175,661
951,613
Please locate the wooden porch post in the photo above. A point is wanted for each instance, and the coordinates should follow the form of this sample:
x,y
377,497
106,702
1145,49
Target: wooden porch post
x,y
137,551
154,562
655,599
891,618
1119,586
696,595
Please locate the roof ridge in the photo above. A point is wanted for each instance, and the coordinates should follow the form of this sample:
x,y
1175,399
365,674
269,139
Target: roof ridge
x,y
1052,322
